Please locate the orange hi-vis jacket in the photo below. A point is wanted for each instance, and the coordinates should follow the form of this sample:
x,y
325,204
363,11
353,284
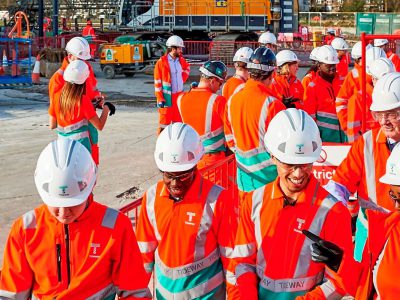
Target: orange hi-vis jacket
x,y
286,87
188,244
272,258
247,116
349,105
204,111
94,257
395,60
232,86
88,30
307,79
319,103
378,267
360,172
162,78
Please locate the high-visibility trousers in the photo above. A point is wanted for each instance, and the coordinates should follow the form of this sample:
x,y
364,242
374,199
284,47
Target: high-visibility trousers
x,y
170,114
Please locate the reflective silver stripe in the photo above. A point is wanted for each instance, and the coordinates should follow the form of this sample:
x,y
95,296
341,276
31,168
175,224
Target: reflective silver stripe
x,y
327,115
60,71
167,92
355,72
214,146
229,137
369,163
226,251
165,83
341,100
391,56
150,209
29,220
188,269
327,125
212,134
263,118
72,127
178,102
209,111
149,267
103,293
16,296
238,88
340,107
252,152
230,277
206,221
243,268
146,247
244,250
303,262
256,167
157,89
157,81
110,217
371,205
139,293
290,284
76,136
195,292
329,290
257,201
353,124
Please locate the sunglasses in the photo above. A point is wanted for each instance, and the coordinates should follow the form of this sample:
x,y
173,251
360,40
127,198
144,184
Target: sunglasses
x,y
393,196
292,167
182,177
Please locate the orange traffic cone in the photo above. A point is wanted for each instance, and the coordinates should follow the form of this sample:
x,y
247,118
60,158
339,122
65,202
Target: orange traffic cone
x,y
14,67
5,60
36,71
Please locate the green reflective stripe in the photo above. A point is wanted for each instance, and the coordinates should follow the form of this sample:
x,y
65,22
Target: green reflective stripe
x,y
250,181
361,235
167,93
149,267
270,295
290,284
214,144
188,269
216,294
29,220
179,285
253,163
17,296
94,134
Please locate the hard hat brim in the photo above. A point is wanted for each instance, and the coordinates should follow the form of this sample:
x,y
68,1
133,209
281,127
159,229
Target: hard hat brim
x,y
390,179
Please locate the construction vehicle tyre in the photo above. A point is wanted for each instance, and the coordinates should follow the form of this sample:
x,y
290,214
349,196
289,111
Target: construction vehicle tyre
x,y
109,72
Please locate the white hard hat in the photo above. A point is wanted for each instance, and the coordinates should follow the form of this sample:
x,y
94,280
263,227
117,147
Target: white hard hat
x,y
313,54
392,175
327,55
76,72
79,47
286,56
293,137
339,44
356,51
372,54
175,41
267,38
380,42
65,173
380,67
178,148
331,30
386,93
243,54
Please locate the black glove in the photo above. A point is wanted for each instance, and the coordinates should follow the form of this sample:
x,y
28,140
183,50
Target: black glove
x,y
289,102
325,252
161,104
111,107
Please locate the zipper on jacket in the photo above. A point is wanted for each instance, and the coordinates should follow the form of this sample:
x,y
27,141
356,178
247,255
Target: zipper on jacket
x,y
58,253
67,249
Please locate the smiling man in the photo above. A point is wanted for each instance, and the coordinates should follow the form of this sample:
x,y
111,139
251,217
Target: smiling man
x,y
187,224
272,257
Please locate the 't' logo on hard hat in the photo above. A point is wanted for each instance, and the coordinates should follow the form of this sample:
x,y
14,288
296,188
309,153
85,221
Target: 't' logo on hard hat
x,y
300,149
63,188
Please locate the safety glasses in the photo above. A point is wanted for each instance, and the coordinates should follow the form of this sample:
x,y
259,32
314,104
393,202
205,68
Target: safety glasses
x,y
292,167
393,196
182,177
393,115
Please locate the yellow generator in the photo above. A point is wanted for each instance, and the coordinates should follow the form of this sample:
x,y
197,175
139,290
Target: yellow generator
x,y
124,59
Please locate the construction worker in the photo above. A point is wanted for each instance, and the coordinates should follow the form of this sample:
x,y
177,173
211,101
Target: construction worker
x,y
268,40
285,84
381,252
204,110
72,247
312,71
170,73
237,81
384,45
71,110
247,117
349,101
379,68
272,258
187,224
342,68
89,34
319,99
78,49
365,164
330,36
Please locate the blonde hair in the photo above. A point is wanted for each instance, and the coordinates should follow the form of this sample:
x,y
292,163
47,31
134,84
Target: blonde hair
x,y
284,70
70,98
